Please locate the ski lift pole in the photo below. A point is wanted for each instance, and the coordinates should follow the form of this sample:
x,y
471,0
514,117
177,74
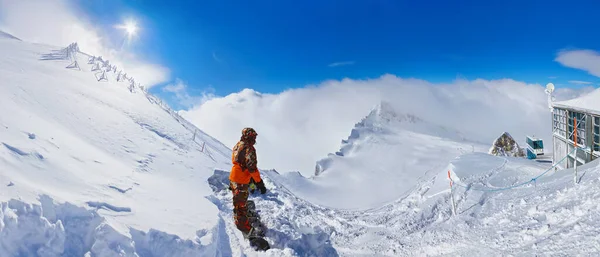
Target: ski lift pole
x,y
452,195
575,145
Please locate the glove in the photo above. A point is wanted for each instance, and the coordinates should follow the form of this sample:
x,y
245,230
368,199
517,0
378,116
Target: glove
x,y
261,186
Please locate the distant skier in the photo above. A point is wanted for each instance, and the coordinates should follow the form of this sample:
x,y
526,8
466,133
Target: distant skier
x,y
243,171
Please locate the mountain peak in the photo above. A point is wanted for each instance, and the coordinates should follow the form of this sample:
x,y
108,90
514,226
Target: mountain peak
x,y
385,113
384,110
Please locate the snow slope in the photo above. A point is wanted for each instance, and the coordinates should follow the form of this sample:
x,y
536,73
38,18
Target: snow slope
x,y
547,216
385,156
551,217
106,166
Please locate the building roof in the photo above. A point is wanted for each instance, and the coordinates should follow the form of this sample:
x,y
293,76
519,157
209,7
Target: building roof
x,y
589,103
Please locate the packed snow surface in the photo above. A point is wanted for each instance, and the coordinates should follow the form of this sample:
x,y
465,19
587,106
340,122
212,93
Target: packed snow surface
x,y
91,165
587,103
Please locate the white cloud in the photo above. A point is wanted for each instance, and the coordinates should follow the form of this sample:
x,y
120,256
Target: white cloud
x,y
336,64
587,60
59,23
180,90
299,126
579,82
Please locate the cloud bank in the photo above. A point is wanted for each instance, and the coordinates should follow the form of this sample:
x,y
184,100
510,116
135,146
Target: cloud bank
x,y
300,126
587,60
179,91
59,23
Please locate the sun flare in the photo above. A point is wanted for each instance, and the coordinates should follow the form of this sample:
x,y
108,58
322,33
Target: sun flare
x,y
130,27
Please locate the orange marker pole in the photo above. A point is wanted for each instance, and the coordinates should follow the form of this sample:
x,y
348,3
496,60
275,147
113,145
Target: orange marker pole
x,y
452,196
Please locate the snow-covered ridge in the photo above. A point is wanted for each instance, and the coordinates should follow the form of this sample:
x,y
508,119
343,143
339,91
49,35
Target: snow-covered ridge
x,y
125,174
385,120
104,71
386,156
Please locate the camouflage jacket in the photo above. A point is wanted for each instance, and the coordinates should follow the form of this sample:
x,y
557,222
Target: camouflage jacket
x,y
244,154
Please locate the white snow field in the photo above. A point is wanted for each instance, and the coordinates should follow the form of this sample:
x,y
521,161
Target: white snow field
x,y
504,205
98,167
101,168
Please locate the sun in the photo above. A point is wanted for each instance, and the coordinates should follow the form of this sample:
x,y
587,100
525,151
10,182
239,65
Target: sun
x,y
130,27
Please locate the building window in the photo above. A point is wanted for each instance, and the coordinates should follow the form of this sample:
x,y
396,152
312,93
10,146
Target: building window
x,y
580,127
596,132
560,122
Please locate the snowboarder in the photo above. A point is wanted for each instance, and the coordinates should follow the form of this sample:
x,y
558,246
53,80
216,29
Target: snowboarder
x,y
244,171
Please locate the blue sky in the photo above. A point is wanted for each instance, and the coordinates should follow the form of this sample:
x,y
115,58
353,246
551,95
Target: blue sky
x,y
273,45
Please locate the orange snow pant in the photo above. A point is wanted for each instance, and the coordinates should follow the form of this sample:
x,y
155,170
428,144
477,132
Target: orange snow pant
x,y
240,210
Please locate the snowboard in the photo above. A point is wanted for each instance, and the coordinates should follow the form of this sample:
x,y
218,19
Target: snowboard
x,y
257,234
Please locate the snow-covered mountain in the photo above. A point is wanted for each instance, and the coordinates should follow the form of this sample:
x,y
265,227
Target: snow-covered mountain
x,y
93,165
384,119
386,155
503,205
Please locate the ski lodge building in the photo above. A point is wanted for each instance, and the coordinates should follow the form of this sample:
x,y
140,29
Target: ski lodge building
x,y
576,118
